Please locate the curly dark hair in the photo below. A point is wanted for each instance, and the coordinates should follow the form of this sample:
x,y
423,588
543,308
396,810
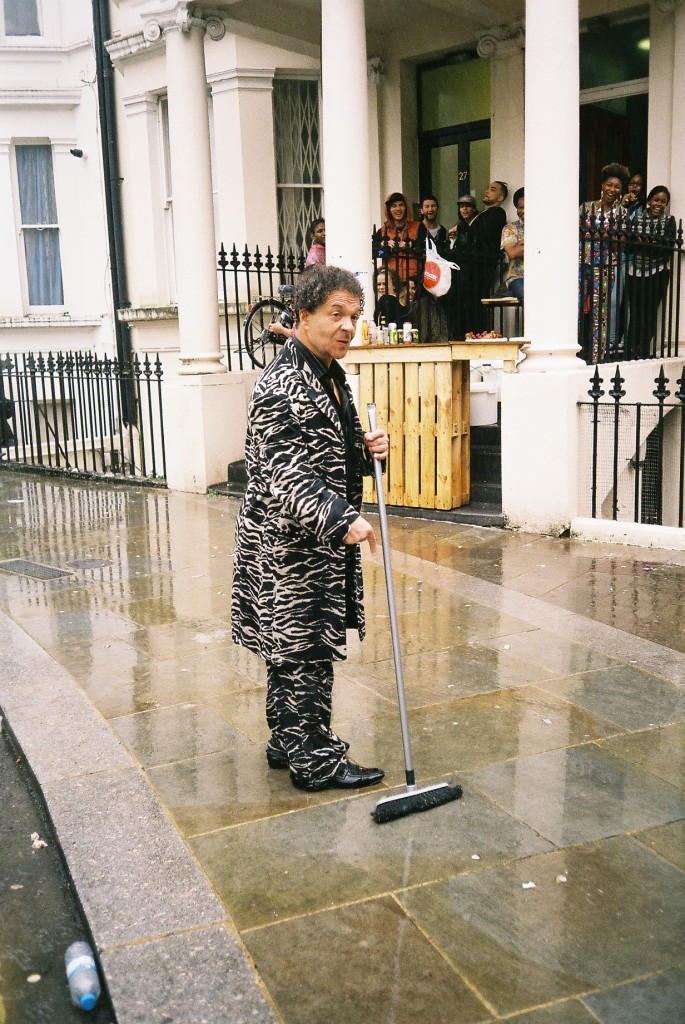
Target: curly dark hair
x,y
616,171
317,284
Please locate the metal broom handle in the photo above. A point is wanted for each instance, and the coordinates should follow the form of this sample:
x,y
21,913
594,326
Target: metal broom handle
x,y
390,587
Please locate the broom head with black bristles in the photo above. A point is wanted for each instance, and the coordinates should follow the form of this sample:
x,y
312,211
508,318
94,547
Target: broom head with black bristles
x,y
414,800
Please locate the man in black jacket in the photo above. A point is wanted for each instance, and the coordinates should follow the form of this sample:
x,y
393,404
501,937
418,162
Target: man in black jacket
x,y
484,238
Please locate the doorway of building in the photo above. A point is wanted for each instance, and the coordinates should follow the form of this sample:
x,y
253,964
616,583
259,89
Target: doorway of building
x,y
453,100
611,130
454,162
614,101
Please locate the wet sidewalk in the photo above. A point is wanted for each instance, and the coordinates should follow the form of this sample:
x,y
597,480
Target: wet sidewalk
x,y
546,676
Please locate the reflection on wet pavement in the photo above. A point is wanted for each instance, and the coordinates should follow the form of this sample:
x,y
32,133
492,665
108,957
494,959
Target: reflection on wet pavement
x,y
572,757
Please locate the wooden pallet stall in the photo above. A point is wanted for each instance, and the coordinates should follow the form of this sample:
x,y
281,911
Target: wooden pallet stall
x,y
422,398
422,394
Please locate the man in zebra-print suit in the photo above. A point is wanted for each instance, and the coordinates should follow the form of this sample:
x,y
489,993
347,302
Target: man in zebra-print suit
x,y
297,582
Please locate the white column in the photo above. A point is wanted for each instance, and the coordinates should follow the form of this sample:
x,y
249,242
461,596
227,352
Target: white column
x,y
194,243
661,89
148,276
245,160
552,127
345,120
678,129
540,423
11,294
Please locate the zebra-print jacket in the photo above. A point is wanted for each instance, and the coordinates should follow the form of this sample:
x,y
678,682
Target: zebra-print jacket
x,y
288,600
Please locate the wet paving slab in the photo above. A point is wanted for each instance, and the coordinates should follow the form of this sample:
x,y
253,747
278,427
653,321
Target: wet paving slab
x,y
287,865
410,973
612,919
574,795
544,675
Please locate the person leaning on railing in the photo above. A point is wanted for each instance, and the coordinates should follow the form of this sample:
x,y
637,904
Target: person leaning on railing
x,y
396,242
513,246
387,286
652,239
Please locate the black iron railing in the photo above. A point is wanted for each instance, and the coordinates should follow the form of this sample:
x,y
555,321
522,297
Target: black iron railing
x,y
637,453
630,285
398,278
79,413
630,275
245,278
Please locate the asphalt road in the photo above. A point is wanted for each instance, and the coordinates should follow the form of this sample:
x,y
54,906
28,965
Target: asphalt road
x,y
38,914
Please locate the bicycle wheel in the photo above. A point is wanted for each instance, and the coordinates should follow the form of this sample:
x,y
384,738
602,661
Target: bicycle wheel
x,y
261,343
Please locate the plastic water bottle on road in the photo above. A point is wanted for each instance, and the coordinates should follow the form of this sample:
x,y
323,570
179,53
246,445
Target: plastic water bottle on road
x,y
82,975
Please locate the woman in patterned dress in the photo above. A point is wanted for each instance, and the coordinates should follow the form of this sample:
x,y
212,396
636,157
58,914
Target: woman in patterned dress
x,y
603,224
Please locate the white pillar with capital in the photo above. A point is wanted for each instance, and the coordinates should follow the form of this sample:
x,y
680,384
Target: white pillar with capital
x,y
245,157
678,129
552,84
345,120
194,239
204,406
540,419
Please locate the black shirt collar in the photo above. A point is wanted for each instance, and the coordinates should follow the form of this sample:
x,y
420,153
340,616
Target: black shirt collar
x,y
323,373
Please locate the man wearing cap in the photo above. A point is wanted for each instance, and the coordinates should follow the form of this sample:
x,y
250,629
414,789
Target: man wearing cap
x,y
467,211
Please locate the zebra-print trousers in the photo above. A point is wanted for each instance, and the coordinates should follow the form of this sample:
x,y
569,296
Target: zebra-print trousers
x,y
298,712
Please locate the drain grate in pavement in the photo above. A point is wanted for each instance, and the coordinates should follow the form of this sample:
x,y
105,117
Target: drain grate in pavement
x,y
22,567
89,563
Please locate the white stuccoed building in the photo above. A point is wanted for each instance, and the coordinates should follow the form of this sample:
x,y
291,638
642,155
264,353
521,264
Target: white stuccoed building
x,y
430,94
55,290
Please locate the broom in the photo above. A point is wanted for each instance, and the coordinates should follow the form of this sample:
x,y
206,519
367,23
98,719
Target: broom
x,y
414,799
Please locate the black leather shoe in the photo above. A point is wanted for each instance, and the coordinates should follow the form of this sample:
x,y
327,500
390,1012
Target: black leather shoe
x,y
310,787
352,776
